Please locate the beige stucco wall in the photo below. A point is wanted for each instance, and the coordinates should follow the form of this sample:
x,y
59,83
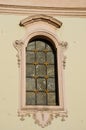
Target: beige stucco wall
x,y
73,31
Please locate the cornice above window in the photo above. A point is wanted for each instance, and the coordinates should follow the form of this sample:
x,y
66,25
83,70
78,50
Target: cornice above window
x,y
44,18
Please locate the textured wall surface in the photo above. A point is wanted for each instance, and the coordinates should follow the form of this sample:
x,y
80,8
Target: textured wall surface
x,y
73,31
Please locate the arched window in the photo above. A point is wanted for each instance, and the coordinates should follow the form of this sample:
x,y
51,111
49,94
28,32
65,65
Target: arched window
x,y
41,62
41,73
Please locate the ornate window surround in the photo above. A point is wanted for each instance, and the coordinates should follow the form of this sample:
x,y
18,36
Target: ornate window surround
x,y
46,27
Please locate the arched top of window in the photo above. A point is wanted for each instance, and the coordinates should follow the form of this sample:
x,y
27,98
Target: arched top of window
x,y
44,39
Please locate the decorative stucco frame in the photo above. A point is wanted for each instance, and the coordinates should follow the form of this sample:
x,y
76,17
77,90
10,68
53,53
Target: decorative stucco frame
x,y
43,26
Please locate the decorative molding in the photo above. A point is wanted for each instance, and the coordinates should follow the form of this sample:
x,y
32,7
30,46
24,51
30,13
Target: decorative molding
x,y
53,11
64,46
18,46
45,18
64,62
43,115
43,118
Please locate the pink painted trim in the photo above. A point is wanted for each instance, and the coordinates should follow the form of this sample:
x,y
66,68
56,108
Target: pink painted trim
x,y
49,31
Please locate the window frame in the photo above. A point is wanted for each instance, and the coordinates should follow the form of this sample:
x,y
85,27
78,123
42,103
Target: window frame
x,y
60,77
45,27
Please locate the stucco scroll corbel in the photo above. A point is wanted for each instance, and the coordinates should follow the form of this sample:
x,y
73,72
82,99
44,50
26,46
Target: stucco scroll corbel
x,y
64,45
18,46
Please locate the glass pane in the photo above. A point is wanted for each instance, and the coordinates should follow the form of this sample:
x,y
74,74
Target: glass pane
x,y
50,70
50,57
48,48
30,84
41,84
30,70
30,98
40,56
51,84
41,98
30,57
31,46
40,45
40,70
51,99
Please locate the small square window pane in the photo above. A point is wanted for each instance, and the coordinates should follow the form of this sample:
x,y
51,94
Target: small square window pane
x,y
31,46
41,98
30,57
50,70
41,70
40,56
30,98
41,84
40,45
51,99
48,48
30,84
51,84
30,70
50,57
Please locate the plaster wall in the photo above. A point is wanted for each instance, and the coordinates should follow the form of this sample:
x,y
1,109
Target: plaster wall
x,y
73,31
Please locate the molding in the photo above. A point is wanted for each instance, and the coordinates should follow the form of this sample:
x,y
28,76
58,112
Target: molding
x,y
43,18
43,118
53,11
18,46
64,45
43,115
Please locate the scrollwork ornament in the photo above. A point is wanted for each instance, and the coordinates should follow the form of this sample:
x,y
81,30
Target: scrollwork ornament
x,y
18,46
64,62
64,46
42,118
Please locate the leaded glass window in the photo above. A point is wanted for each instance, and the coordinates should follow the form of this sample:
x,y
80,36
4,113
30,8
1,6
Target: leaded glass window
x,y
41,73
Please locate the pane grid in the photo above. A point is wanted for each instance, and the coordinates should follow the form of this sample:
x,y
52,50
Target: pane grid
x,y
40,72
